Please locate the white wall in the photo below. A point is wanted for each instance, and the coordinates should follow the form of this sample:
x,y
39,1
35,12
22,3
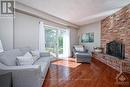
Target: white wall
x,y
94,27
73,37
26,31
6,31
27,34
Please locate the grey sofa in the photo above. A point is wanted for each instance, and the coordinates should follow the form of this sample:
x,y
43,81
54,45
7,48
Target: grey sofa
x,y
25,76
82,54
6,79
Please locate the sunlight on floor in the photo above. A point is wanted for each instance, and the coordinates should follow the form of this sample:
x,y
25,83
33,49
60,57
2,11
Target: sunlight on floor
x,y
67,63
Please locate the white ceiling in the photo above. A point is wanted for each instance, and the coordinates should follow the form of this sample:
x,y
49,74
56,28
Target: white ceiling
x,y
79,12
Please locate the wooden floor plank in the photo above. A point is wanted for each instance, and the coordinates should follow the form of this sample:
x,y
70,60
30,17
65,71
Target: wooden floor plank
x,y
63,73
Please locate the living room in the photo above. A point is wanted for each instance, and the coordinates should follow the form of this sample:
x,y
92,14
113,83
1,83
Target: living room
x,y
45,43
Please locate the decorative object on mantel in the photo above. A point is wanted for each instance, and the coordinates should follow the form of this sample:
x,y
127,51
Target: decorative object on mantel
x,y
87,38
1,47
98,49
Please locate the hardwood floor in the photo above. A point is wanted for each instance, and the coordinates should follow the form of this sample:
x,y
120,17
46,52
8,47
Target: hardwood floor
x,y
63,73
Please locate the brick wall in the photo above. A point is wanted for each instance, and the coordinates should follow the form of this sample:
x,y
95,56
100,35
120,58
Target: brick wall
x,y
117,27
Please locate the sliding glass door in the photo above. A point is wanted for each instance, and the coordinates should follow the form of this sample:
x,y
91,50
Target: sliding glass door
x,y
51,40
60,42
55,41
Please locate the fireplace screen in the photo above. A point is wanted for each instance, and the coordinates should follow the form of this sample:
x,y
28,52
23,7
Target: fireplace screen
x,y
116,49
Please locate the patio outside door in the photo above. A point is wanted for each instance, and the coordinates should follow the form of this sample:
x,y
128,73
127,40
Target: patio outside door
x,y
51,40
54,39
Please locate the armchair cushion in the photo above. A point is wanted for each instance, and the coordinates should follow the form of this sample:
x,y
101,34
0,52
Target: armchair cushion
x,y
79,47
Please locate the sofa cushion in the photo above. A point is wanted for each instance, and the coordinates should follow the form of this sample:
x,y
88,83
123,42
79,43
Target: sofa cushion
x,y
25,50
44,67
9,57
44,59
2,66
28,54
44,54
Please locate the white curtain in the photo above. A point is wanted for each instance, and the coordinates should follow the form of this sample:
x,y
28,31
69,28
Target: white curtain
x,y
66,44
41,37
1,47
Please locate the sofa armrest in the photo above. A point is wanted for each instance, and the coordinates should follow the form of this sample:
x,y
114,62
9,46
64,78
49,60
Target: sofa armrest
x,y
25,76
28,67
44,54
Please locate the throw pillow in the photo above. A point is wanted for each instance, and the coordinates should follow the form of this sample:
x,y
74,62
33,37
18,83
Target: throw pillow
x,y
27,59
21,61
35,54
28,54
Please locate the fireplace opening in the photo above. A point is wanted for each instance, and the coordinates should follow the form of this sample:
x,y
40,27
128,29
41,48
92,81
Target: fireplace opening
x,y
115,48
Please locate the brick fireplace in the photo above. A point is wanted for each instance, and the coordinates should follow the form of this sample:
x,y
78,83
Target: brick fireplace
x,y
117,27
